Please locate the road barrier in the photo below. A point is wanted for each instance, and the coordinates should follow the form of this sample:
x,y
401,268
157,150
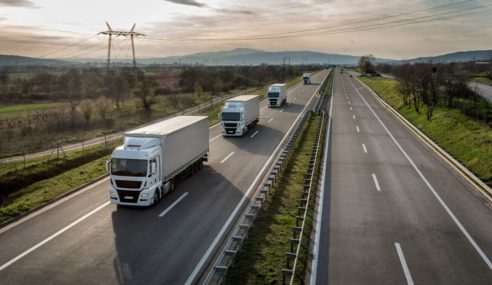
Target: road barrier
x,y
288,273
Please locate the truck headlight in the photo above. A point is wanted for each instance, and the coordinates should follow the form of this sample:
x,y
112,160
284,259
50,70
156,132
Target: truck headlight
x,y
144,194
113,193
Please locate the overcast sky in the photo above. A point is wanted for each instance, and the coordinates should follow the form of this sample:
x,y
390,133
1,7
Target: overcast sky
x,y
389,29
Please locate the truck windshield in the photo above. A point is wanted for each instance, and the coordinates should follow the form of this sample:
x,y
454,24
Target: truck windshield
x,y
273,94
228,116
129,167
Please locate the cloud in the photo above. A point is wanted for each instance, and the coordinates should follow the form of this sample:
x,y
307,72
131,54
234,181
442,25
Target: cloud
x,y
17,3
181,2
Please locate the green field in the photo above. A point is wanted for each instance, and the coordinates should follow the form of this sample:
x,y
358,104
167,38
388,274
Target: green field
x,y
466,139
262,256
29,107
483,80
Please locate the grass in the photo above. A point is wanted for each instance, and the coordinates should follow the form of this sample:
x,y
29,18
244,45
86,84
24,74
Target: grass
x,y
47,190
8,110
262,256
483,80
466,139
14,176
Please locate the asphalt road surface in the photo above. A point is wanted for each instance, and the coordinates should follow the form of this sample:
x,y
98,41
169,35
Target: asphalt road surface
x,y
482,89
83,239
393,211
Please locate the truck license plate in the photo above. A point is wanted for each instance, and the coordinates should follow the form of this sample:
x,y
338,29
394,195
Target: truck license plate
x,y
129,197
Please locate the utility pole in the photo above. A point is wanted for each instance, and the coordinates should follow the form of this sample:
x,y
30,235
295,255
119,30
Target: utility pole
x,y
132,34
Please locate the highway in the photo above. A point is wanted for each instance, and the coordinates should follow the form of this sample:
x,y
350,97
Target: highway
x,y
393,211
82,239
482,89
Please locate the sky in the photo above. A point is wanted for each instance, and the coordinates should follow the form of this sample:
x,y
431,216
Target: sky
x,y
396,29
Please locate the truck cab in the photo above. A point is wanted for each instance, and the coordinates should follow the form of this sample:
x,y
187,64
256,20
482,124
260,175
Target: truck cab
x,y
277,95
232,119
135,170
239,114
306,77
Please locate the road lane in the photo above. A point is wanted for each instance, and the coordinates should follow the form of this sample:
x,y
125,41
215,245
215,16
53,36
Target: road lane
x,y
361,227
128,245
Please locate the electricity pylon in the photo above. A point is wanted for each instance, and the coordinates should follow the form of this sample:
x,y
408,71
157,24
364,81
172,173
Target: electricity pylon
x,y
132,34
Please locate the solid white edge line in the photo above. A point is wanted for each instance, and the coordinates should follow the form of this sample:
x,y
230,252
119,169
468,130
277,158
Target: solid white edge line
x,y
364,147
52,236
44,209
227,157
254,134
404,265
430,187
375,179
243,199
315,259
173,204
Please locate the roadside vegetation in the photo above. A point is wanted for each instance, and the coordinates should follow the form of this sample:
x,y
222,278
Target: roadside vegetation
x,y
465,136
262,256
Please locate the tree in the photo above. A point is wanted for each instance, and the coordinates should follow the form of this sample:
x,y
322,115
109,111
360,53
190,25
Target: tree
x,y
86,107
366,63
144,91
102,106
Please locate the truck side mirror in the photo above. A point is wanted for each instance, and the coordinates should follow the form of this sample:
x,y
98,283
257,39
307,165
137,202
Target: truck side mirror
x,y
108,165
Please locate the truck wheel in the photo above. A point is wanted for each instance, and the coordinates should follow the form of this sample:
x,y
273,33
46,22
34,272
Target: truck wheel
x,y
156,197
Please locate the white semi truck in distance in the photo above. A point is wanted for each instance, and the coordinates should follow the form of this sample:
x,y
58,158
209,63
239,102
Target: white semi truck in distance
x,y
153,158
277,95
306,77
239,114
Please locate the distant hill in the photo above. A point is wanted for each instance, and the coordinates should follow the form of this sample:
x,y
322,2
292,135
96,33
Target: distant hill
x,y
461,56
244,56
15,60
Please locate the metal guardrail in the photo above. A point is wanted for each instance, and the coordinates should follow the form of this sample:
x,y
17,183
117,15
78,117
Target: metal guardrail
x,y
226,259
297,231
322,93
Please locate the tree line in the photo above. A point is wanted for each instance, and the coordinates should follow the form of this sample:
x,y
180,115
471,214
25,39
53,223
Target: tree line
x,y
426,86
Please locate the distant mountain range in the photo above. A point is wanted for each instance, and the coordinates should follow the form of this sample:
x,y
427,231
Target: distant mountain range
x,y
243,56
461,56
15,60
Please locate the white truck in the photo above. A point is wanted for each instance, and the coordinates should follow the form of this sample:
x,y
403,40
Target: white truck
x,y
277,95
306,77
153,158
239,114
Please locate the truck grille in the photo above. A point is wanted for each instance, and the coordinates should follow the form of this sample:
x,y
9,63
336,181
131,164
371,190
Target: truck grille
x,y
128,184
128,196
230,125
230,131
273,102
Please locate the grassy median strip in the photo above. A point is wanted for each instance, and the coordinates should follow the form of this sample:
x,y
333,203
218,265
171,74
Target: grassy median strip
x,y
262,256
466,139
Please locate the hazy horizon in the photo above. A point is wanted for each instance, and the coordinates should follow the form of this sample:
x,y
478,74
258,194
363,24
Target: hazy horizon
x,y
395,30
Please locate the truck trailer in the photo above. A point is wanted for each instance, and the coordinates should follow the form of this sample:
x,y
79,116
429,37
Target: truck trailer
x,y
153,158
306,77
239,114
277,95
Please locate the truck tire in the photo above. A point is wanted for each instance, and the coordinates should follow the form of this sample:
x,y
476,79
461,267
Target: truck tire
x,y
156,197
